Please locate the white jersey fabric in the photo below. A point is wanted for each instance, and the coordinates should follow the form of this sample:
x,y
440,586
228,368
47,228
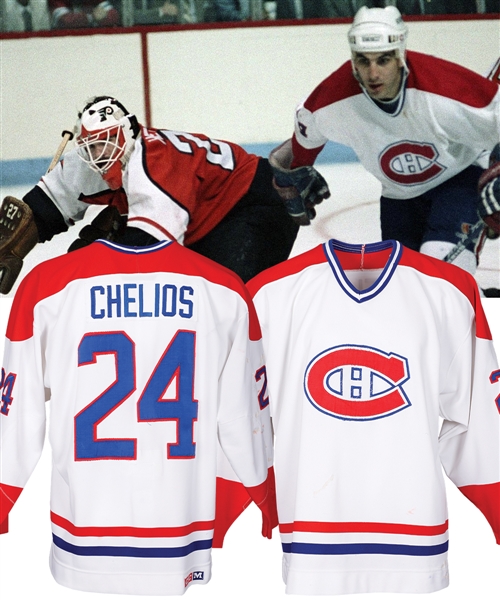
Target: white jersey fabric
x,y
368,348
150,358
449,117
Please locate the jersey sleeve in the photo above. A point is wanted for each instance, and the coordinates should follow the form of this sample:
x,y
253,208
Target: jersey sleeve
x,y
49,220
470,435
307,140
22,405
72,186
245,436
63,196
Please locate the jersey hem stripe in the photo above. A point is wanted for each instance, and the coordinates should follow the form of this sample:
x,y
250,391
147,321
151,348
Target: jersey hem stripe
x,y
353,527
142,532
340,549
129,551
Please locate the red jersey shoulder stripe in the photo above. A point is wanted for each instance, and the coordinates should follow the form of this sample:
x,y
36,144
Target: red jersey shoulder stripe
x,y
444,78
339,85
287,268
426,73
459,278
106,258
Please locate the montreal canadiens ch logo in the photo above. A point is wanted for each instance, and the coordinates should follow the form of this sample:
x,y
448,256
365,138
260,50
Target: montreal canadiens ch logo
x,y
410,163
357,383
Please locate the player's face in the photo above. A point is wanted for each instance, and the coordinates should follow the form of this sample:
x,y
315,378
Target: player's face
x,y
379,72
102,151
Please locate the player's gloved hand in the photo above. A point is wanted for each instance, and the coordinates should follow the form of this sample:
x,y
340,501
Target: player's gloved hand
x,y
489,194
301,188
109,224
18,235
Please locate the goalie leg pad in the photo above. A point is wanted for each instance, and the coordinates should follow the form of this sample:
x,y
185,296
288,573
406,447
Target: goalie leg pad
x,y
18,235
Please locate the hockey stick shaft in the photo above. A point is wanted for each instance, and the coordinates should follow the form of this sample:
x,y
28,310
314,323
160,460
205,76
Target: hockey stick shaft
x,y
494,72
462,244
67,136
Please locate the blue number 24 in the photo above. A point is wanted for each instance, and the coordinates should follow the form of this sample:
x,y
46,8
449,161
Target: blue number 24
x,y
177,363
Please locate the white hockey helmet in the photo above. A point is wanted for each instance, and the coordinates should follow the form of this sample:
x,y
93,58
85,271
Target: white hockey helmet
x,y
378,30
105,135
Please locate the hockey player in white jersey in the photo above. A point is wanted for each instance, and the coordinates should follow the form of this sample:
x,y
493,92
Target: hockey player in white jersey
x,y
369,348
423,126
151,357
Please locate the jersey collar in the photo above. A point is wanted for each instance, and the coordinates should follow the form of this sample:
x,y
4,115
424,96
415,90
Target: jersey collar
x,y
135,249
382,280
392,107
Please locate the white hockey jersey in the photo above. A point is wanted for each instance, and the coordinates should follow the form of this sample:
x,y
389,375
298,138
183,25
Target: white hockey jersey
x,y
368,348
150,358
448,118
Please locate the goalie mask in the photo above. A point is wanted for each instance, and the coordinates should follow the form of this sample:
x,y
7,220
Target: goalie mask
x,y
105,138
379,30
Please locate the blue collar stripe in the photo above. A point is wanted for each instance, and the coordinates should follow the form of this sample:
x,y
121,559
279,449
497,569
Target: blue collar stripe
x,y
382,280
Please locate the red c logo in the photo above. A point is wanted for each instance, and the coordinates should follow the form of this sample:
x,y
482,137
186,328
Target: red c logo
x,y
410,163
357,383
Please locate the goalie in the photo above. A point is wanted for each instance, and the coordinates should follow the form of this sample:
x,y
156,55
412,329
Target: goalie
x,y
156,184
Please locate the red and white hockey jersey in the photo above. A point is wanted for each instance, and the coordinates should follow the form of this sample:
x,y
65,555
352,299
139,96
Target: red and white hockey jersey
x,y
176,185
368,350
150,357
448,118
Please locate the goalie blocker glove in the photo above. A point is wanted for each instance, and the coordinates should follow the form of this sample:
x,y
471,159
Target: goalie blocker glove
x,y
18,235
489,194
301,188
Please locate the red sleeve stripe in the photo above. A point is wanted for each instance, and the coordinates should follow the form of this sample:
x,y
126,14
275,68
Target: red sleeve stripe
x,y
8,497
4,525
487,498
303,156
232,499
